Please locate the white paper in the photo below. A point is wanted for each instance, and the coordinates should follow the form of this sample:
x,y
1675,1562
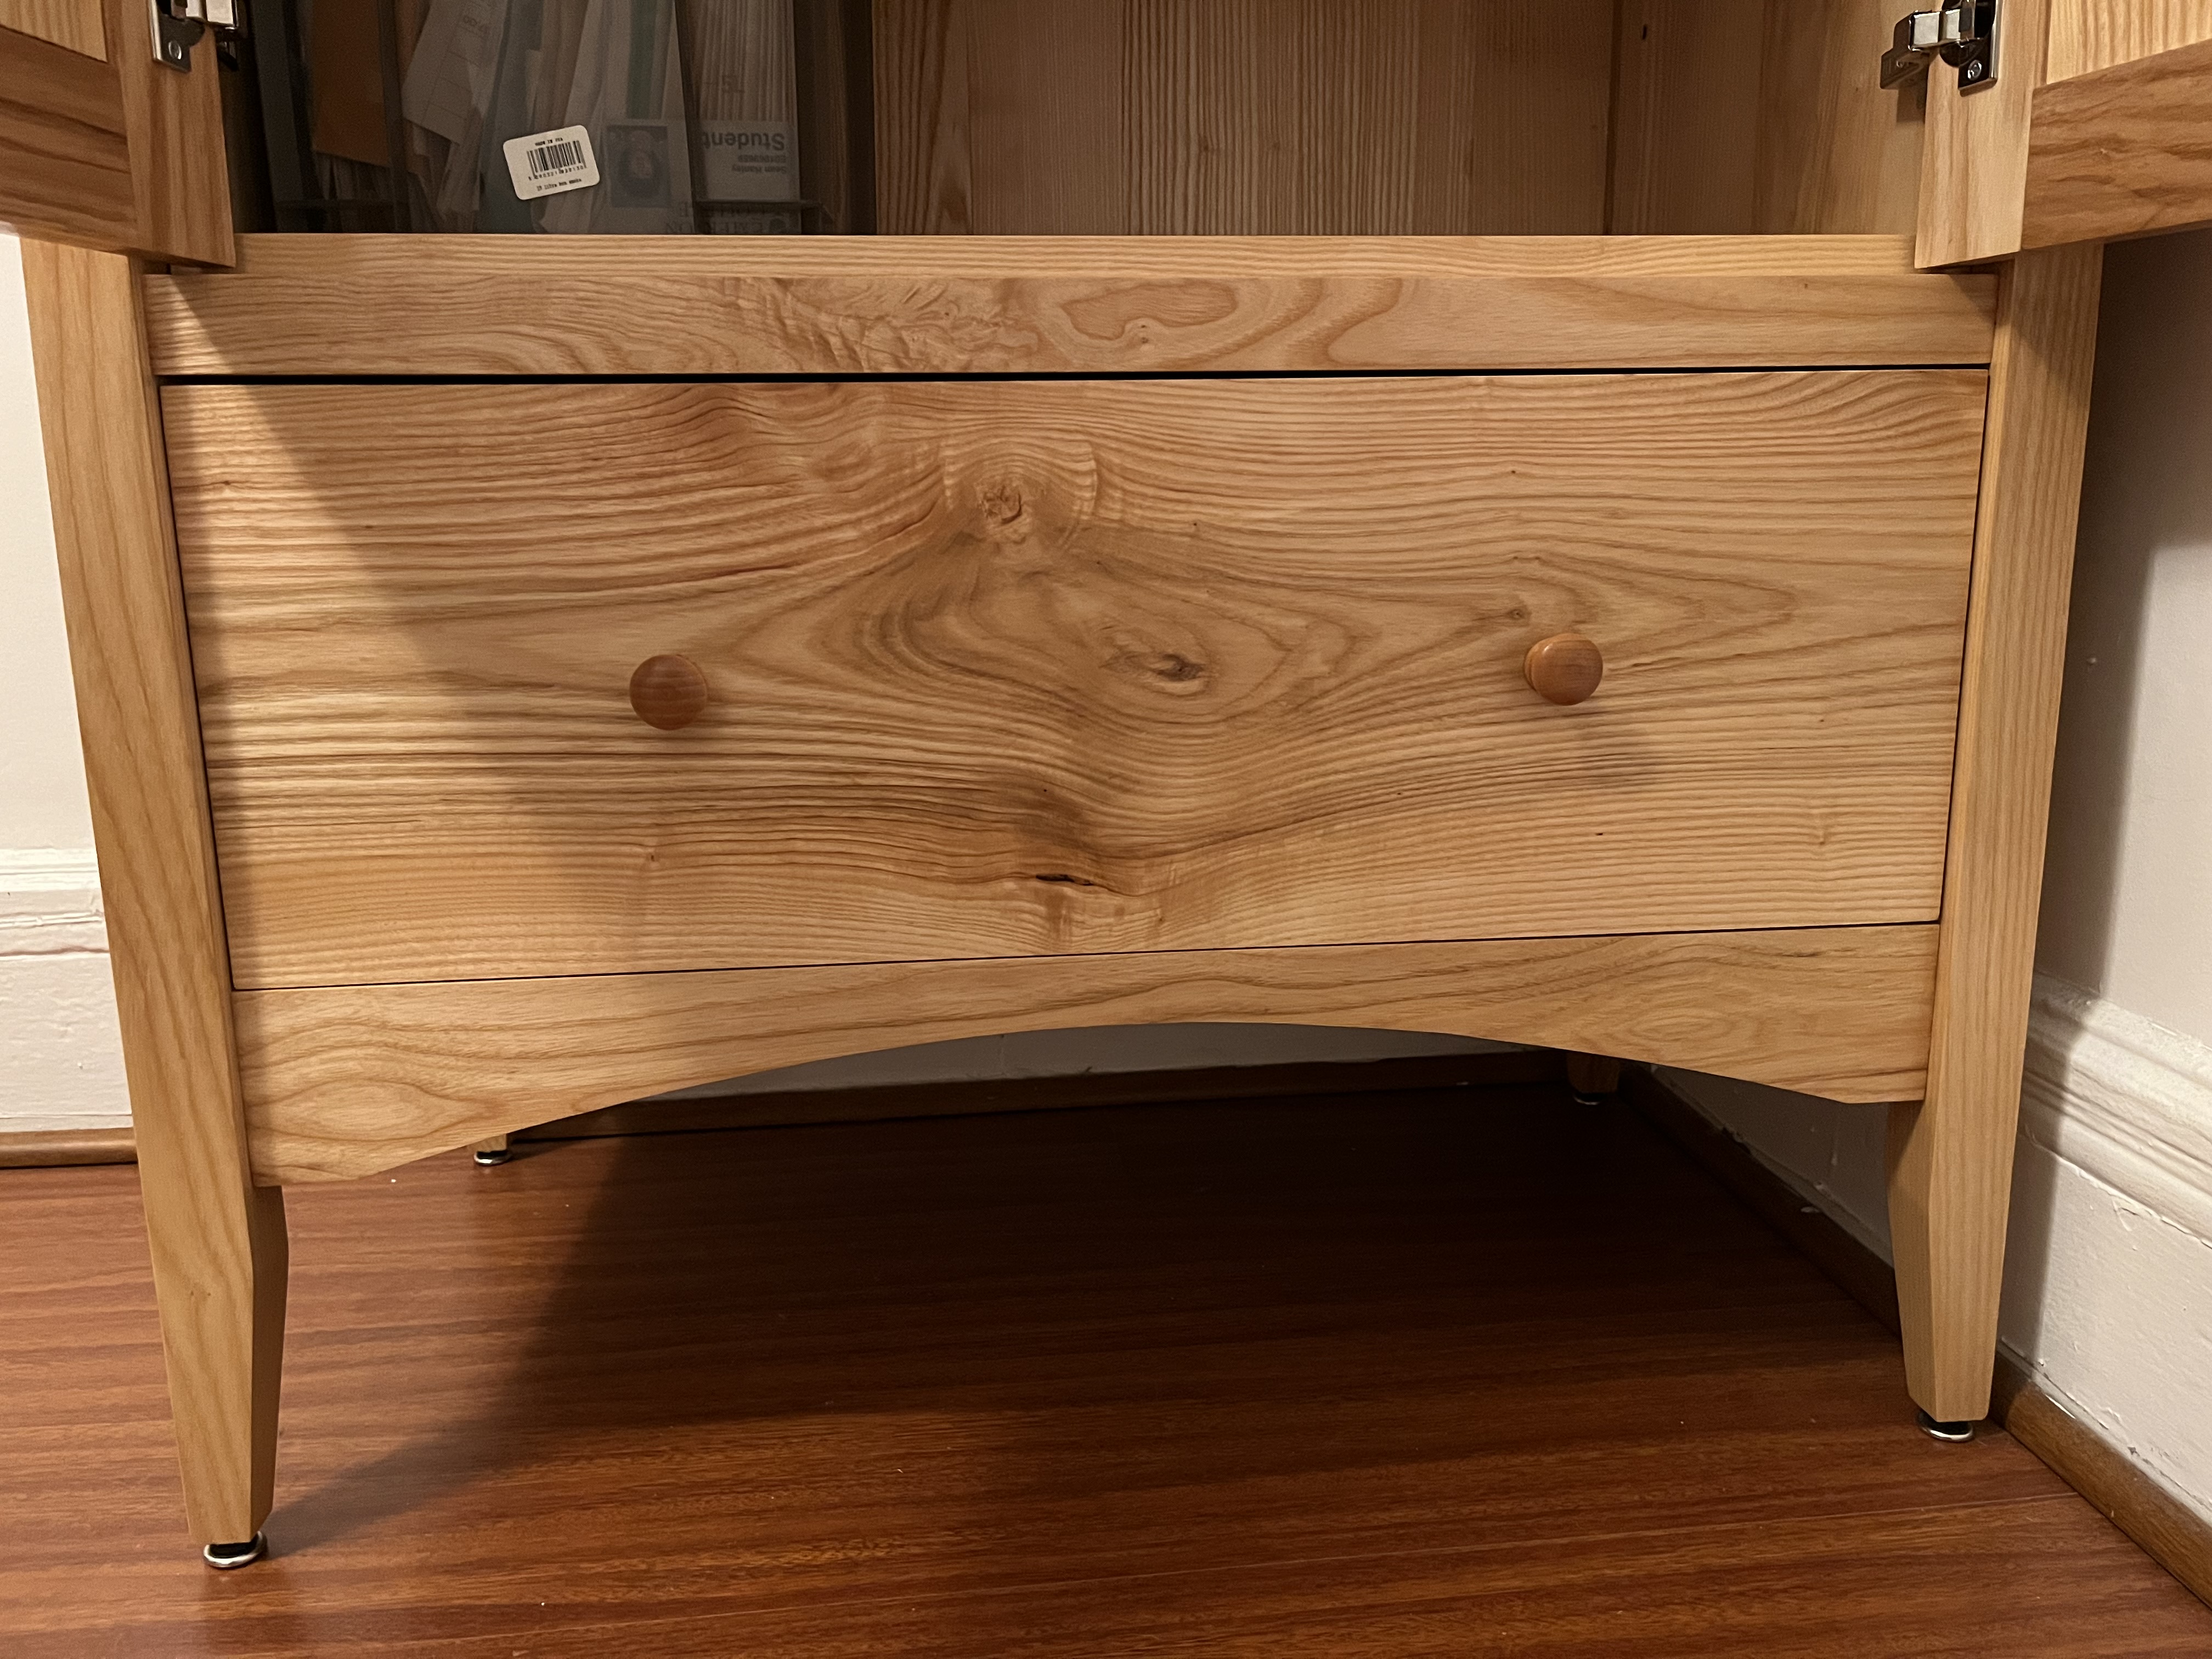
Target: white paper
x,y
645,159
547,163
749,161
449,80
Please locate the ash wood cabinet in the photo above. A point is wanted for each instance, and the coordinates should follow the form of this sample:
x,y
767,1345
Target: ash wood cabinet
x,y
1002,669
1042,631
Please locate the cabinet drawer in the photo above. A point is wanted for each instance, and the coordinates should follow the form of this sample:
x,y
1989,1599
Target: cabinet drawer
x,y
1001,668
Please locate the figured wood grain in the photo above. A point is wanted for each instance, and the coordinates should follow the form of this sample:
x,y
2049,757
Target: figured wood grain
x,y
2124,151
74,24
2088,35
344,1081
217,1242
1951,1157
743,304
998,668
1460,1374
1241,117
1973,175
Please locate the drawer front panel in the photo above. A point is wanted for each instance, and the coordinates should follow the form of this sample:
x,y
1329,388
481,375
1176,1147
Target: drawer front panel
x,y
1038,668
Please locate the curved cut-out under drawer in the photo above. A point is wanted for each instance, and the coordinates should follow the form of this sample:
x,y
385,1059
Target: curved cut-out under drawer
x,y
1010,668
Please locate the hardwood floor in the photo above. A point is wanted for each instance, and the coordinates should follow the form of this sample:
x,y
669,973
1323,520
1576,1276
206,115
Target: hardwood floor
x,y
1468,1373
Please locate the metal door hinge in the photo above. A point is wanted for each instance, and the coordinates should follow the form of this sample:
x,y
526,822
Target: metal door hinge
x,y
178,24
1962,32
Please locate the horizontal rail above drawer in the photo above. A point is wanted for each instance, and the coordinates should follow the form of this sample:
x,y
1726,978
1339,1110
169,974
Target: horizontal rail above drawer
x,y
319,307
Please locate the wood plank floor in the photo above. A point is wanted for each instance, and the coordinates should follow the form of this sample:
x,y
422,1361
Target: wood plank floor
x,y
1465,1373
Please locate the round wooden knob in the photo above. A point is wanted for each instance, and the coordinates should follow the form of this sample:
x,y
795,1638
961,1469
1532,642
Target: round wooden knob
x,y
668,692
1564,669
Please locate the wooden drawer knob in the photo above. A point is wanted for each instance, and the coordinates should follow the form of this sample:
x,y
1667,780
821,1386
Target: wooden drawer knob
x,y
668,692
1564,669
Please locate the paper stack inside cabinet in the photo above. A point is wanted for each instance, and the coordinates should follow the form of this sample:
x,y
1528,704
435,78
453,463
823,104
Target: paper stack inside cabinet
x,y
744,100
561,116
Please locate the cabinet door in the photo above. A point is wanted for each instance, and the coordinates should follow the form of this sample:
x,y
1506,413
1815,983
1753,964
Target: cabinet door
x,y
2097,126
101,144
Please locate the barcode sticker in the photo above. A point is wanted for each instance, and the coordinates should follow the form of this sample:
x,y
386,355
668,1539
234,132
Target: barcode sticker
x,y
547,163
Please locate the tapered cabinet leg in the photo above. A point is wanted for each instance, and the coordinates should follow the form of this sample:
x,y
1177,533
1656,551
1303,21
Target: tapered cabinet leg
x,y
1950,1156
219,1266
217,1239
1950,1181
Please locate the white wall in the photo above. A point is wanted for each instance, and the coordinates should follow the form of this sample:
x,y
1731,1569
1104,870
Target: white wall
x,y
2127,893
60,1064
2108,1290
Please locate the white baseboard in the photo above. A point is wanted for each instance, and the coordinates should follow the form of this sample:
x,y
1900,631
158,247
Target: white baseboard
x,y
2108,1273
61,1059
2123,1099
2108,1277
50,903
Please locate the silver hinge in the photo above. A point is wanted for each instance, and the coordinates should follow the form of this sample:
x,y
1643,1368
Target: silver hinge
x,y
1962,32
178,24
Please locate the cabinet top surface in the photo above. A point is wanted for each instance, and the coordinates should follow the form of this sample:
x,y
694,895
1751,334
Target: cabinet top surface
x,y
460,307
389,257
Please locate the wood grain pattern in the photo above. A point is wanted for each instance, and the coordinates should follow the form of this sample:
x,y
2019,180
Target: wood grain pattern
x,y
47,1149
1973,176
67,144
1795,135
2088,35
345,1081
218,1242
1241,117
2116,1485
997,672
1686,118
1467,1374
179,169
2108,1475
1951,1158
115,153
1838,154
1001,118
2125,151
605,305
74,24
